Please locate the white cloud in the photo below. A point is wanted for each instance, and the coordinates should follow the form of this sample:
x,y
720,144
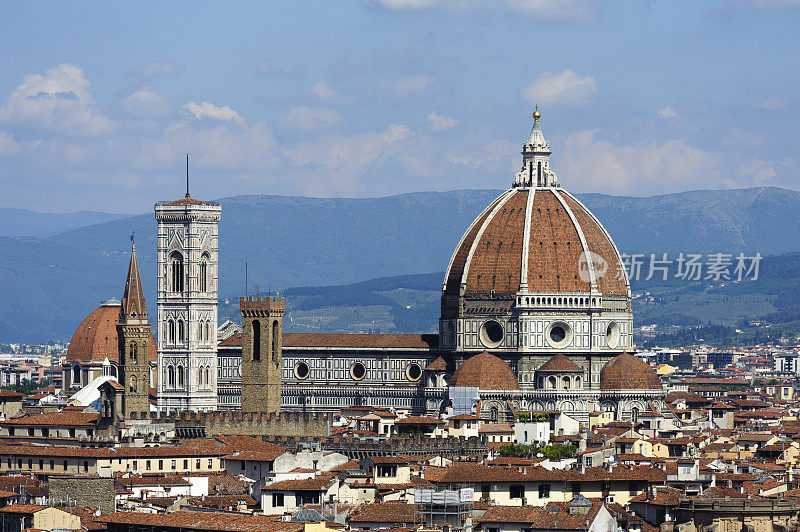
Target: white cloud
x,y
58,101
439,122
494,151
541,8
667,112
156,69
309,118
324,92
777,4
409,84
344,160
565,88
8,146
145,102
593,164
772,104
206,110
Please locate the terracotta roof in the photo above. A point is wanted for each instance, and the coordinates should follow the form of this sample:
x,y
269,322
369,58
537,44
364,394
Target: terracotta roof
x,y
23,508
187,200
232,522
560,364
318,483
627,372
152,480
485,371
54,419
96,337
393,512
437,365
375,341
418,420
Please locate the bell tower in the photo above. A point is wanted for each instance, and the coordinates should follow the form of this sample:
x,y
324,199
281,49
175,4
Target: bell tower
x,y
188,232
133,332
262,359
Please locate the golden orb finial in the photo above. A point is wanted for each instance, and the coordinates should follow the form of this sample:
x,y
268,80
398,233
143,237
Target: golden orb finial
x,y
536,114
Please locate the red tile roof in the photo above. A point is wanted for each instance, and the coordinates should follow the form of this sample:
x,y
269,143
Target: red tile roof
x,y
379,341
204,521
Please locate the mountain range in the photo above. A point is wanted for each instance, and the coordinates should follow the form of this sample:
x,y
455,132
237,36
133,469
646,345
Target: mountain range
x,y
50,283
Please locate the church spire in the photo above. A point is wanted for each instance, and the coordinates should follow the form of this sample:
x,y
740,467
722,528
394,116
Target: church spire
x,y
536,170
133,303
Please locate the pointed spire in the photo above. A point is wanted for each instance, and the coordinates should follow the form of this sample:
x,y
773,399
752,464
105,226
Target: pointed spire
x,y
187,175
133,303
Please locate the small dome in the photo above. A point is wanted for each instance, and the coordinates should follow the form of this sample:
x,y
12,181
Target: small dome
x,y
485,371
626,372
560,364
96,337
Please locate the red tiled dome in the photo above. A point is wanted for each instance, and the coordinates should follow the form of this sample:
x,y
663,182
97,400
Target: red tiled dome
x,y
560,364
485,371
626,372
96,337
560,229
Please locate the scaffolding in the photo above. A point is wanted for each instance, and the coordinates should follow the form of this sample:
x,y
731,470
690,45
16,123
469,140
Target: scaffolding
x,y
443,508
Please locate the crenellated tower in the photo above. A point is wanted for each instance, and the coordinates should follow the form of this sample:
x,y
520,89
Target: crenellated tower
x,y
134,336
262,344
187,304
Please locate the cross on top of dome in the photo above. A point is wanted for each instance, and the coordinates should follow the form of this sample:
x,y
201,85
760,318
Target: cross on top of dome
x,y
536,170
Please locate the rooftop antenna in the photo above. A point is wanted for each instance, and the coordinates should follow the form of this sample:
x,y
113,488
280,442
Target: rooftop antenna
x,y
187,174
245,279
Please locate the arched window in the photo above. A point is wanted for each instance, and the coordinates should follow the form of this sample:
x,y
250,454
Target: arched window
x,y
634,414
494,414
133,353
208,376
171,376
200,376
176,272
171,331
553,383
76,374
181,379
204,284
577,382
181,335
256,340
567,383
132,385
276,344
208,331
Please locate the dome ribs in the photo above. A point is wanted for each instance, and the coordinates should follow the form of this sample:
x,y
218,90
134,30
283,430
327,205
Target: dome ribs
x,y
598,241
554,248
498,254
456,270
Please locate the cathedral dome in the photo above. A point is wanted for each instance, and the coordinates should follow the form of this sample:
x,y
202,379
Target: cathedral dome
x,y
626,372
535,237
96,337
485,371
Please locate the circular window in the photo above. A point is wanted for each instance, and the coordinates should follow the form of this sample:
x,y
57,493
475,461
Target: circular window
x,y
559,334
612,334
357,371
413,372
491,334
301,370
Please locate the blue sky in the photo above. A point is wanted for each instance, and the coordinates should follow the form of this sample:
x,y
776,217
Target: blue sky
x,y
100,101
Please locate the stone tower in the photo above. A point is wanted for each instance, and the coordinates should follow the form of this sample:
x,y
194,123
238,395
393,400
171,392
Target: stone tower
x,y
262,343
187,304
133,332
